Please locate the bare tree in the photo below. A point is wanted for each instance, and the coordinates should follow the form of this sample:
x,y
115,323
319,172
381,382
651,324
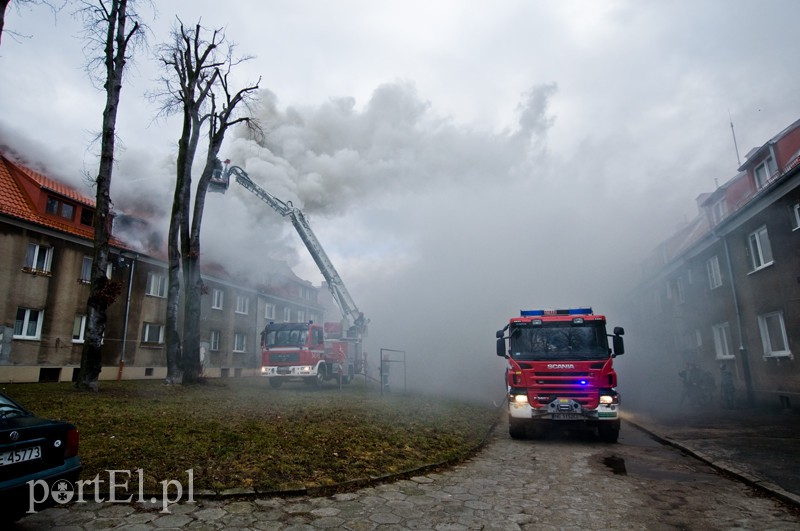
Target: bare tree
x,y
197,85
4,7
107,31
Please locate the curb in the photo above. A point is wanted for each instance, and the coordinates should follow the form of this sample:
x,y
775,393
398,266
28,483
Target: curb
x,y
756,482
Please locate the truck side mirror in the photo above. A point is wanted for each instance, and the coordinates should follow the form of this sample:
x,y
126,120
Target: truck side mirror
x,y
501,346
619,331
498,334
619,345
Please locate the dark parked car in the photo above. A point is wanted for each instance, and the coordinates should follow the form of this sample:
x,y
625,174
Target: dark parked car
x,y
38,460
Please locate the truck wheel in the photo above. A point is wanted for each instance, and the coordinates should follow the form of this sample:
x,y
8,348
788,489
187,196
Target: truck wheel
x,y
319,378
516,428
275,382
608,431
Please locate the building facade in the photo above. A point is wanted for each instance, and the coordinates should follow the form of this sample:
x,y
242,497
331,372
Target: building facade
x,y
45,262
725,288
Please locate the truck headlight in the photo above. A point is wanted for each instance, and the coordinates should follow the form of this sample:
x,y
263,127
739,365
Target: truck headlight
x,y
609,399
521,399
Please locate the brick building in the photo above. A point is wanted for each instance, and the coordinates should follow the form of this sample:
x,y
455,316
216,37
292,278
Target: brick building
x,y
725,288
45,260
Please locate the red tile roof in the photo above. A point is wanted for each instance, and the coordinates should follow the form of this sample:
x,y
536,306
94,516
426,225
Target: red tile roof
x,y
16,184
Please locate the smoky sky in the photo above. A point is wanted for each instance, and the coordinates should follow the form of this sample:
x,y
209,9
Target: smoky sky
x,y
457,162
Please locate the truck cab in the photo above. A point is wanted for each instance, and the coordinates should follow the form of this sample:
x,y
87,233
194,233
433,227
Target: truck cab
x,y
560,370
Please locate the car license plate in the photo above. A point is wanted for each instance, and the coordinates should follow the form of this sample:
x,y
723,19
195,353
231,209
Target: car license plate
x,y
567,416
21,454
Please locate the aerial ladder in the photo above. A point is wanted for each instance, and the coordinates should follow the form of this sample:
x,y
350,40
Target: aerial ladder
x,y
357,323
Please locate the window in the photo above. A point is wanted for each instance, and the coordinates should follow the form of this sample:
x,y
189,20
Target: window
x,y
152,333
214,341
287,315
38,258
722,341
795,213
156,284
269,311
87,216
78,328
718,211
59,208
240,343
216,300
242,304
679,291
301,316
763,172
28,324
760,250
773,335
86,270
714,275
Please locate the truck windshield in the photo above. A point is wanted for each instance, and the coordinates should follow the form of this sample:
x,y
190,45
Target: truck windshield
x,y
559,341
286,338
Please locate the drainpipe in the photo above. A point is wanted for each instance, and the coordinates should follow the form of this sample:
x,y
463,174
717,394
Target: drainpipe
x,y
743,355
125,323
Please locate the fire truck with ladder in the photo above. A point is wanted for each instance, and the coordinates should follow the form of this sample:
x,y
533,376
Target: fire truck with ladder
x,y
560,372
307,351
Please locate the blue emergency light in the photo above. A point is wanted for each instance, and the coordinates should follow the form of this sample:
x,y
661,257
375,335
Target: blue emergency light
x,y
568,311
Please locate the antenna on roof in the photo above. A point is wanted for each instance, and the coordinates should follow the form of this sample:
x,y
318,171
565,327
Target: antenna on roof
x,y
736,147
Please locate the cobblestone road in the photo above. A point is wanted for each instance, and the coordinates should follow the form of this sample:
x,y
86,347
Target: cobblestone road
x,y
557,483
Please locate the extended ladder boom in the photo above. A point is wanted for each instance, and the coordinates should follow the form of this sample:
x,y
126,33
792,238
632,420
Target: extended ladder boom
x,y
286,209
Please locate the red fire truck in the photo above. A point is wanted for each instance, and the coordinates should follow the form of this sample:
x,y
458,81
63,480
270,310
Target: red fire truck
x,y
306,350
309,352
560,370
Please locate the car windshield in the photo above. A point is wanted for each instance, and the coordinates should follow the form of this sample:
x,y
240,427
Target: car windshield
x,y
558,341
287,337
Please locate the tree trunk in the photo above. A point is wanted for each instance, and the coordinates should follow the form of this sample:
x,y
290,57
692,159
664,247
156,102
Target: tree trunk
x,y
195,288
3,6
102,291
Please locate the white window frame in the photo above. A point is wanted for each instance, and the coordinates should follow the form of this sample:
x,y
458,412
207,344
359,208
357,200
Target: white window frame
x,y
147,330
719,210
679,290
768,167
287,315
26,322
767,339
213,340
760,249
156,284
34,258
239,342
217,299
242,304
714,273
795,211
723,341
79,325
269,311
86,270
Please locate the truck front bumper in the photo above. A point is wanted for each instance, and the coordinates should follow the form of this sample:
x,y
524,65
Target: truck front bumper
x,y
562,409
289,371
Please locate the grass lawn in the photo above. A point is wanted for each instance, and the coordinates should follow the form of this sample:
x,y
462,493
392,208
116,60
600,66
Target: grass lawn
x,y
240,433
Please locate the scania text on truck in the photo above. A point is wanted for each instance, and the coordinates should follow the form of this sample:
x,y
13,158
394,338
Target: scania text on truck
x,y
560,372
307,351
